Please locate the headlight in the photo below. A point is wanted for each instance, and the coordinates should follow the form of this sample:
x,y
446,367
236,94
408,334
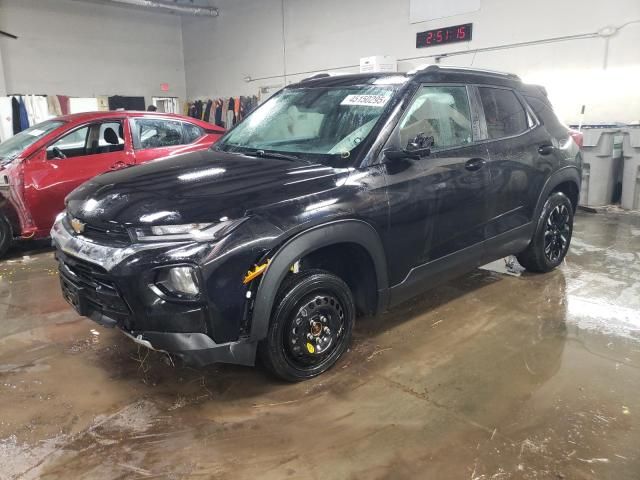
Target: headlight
x,y
179,281
198,232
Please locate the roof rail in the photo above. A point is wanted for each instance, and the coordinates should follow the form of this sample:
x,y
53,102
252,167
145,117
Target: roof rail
x,y
434,67
484,71
427,67
319,75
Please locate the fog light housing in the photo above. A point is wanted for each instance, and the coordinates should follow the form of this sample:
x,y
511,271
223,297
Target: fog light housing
x,y
181,282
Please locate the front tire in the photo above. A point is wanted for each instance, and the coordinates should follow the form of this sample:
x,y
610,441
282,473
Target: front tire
x,y
310,327
551,240
6,235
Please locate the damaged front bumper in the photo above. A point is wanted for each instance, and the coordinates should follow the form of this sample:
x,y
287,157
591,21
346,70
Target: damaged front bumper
x,y
111,286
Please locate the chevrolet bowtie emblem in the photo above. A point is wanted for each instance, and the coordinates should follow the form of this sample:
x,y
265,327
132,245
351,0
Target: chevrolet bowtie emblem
x,y
77,225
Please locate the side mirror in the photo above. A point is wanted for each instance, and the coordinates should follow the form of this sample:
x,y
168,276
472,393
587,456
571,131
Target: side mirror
x,y
417,148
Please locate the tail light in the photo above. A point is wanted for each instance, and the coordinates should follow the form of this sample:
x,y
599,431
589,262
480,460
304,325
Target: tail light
x,y
577,137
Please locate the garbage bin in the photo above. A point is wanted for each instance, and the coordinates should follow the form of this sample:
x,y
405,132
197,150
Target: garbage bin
x,y
599,166
631,172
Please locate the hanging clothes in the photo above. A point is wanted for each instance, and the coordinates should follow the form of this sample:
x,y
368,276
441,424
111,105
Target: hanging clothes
x,y
207,111
53,105
218,113
64,104
24,116
236,110
6,127
223,114
15,115
37,108
231,116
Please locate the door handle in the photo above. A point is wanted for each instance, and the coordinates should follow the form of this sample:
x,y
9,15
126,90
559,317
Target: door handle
x,y
546,149
474,164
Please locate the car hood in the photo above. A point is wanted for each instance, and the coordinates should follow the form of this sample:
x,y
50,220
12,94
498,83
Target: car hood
x,y
202,186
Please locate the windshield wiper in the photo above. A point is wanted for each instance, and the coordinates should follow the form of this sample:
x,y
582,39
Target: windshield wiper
x,y
281,156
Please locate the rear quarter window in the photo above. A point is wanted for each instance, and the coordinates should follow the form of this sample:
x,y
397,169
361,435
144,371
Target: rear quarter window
x,y
545,113
192,132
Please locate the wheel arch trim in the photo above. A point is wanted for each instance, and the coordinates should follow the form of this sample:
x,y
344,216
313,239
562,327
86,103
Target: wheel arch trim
x,y
340,231
565,174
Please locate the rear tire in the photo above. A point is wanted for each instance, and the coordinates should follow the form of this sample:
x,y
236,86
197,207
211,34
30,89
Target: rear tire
x,y
552,237
6,235
311,325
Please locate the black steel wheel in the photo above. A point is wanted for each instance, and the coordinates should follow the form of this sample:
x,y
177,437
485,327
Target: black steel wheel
x,y
552,237
310,327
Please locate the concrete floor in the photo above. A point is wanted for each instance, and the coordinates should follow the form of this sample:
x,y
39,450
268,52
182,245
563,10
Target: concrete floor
x,y
492,376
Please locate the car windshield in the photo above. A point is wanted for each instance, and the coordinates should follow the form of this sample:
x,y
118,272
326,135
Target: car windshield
x,y
311,122
11,148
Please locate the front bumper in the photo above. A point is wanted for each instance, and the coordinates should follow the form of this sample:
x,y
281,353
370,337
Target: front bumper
x,y
113,294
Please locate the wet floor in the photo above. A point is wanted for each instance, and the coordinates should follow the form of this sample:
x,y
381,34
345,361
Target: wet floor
x,y
496,375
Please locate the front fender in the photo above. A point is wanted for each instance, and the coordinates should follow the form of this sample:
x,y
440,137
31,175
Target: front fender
x,y
339,231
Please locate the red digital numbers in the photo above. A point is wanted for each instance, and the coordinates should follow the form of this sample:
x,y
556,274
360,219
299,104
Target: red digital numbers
x,y
442,36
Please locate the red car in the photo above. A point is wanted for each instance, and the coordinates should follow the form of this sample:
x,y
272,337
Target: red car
x,y
41,165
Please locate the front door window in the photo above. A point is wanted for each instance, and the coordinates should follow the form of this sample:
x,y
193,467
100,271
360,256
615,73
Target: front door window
x,y
439,112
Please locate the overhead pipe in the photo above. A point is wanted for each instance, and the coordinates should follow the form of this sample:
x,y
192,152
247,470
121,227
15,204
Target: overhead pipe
x,y
172,7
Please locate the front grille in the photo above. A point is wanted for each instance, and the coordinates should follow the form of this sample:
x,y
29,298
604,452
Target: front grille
x,y
97,285
115,235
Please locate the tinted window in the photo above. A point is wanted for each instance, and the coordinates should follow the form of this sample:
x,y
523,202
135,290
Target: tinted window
x,y
503,112
154,133
545,112
440,112
192,132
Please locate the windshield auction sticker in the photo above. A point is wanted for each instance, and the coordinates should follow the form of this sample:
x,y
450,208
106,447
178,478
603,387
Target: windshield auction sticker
x,y
366,100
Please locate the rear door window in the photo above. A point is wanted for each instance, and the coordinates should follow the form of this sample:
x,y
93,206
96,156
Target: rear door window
x,y
504,114
111,137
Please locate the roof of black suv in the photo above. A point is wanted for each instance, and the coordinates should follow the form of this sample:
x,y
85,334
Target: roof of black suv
x,y
430,73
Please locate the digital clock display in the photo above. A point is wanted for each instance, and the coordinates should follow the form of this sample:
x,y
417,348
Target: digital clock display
x,y
442,36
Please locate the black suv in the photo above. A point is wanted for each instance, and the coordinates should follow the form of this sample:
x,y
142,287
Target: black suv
x,y
339,196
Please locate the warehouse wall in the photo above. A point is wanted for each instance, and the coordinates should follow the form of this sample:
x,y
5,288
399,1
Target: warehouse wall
x,y
122,50
246,40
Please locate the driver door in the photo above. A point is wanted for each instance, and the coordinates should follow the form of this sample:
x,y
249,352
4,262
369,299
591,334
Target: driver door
x,y
439,203
72,159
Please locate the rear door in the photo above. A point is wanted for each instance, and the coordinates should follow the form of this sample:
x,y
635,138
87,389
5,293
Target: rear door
x,y
155,137
520,157
71,159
